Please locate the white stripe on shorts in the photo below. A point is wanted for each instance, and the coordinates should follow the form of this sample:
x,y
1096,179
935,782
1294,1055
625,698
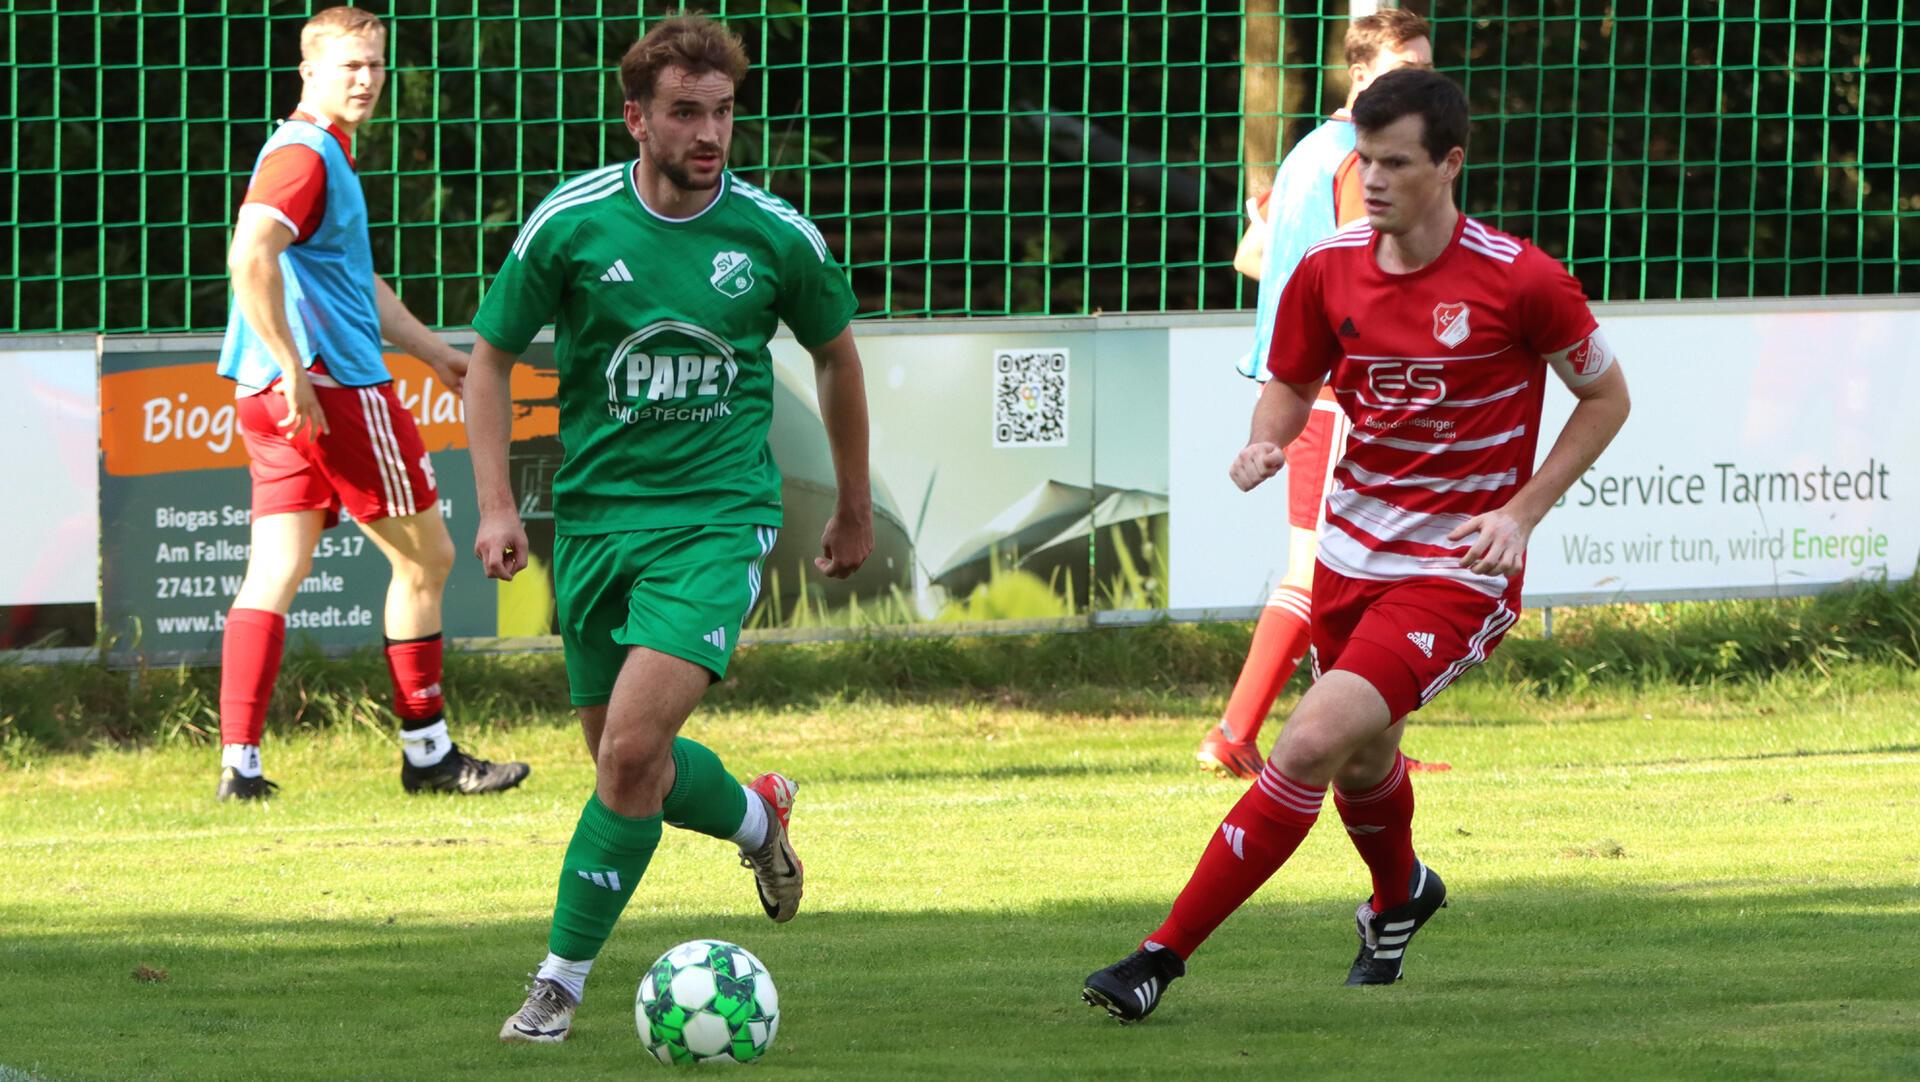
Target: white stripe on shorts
x,y
367,414
382,419
767,535
1496,622
399,458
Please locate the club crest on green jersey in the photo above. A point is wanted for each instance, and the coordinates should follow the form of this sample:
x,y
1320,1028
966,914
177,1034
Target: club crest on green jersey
x,y
732,273
671,371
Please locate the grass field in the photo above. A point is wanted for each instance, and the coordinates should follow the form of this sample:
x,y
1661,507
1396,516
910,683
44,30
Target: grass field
x,y
1647,884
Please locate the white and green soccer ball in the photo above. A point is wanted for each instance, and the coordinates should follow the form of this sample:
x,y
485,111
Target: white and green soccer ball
x,y
707,1002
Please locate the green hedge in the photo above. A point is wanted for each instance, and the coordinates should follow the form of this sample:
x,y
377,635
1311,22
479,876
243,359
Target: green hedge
x,y
74,706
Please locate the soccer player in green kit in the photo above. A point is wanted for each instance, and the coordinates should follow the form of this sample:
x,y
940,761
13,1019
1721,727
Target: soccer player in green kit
x,y
664,277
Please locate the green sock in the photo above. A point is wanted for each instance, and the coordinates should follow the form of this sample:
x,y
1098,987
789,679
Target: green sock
x,y
705,798
605,860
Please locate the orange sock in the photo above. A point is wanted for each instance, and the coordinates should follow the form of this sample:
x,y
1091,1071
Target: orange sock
x,y
1279,642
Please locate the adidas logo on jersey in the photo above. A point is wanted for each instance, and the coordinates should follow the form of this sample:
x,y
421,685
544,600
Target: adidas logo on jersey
x,y
1422,639
618,272
717,638
1347,329
609,879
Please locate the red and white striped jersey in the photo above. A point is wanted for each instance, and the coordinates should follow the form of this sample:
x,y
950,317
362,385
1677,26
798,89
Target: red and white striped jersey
x,y
1441,372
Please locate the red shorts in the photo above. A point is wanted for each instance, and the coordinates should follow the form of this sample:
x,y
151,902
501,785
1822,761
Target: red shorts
x,y
370,461
1311,459
1409,638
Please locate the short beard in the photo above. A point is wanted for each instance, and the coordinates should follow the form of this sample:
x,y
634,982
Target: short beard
x,y
677,176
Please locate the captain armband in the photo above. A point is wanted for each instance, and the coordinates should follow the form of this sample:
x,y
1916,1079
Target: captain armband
x,y
1584,361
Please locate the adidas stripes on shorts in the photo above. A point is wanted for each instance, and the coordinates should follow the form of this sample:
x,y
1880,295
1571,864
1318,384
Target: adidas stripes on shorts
x,y
683,591
370,460
1409,638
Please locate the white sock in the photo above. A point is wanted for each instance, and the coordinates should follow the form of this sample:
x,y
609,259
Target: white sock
x,y
569,975
243,758
753,829
426,747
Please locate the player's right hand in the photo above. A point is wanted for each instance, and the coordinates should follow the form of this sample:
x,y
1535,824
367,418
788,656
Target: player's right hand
x,y
303,410
501,544
1255,463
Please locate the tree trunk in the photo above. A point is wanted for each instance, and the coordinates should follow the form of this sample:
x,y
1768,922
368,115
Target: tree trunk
x,y
1260,77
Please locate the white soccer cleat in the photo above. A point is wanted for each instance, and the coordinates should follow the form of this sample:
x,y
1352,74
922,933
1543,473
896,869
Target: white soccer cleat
x,y
545,1018
777,874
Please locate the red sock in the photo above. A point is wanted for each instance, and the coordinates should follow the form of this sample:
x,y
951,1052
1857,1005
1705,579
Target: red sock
x,y
1279,642
250,649
1380,822
414,665
1256,837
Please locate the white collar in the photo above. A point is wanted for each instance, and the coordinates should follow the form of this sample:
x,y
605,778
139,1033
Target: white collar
x,y
324,120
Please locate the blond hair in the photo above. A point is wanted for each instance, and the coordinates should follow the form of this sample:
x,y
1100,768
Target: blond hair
x,y
337,21
1394,27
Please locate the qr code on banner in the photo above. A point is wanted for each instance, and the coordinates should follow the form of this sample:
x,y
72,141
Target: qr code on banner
x,y
1030,398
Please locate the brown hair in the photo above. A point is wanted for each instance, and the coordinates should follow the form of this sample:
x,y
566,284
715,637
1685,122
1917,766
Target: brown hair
x,y
693,42
1394,27
339,20
1437,100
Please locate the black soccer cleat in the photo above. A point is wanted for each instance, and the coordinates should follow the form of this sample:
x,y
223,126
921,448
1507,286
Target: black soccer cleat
x,y
237,786
1384,936
461,773
1131,988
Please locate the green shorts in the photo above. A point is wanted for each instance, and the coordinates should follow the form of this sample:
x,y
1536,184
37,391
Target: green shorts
x,y
683,592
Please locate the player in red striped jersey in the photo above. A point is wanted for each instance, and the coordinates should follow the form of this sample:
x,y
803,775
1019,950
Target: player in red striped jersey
x,y
1437,334
1315,192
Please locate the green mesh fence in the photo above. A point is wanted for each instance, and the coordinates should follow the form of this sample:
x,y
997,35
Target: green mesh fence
x,y
969,157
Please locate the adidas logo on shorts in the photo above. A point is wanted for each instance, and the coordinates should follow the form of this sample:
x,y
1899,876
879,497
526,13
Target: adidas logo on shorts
x,y
1422,639
717,638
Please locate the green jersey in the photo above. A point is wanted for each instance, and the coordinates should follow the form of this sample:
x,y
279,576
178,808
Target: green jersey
x,y
661,331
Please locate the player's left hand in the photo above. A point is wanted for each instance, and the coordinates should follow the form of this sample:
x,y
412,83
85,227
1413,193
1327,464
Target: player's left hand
x,y
451,367
846,542
1501,548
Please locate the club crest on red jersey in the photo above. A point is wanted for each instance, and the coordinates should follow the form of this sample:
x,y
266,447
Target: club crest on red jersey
x,y
1450,323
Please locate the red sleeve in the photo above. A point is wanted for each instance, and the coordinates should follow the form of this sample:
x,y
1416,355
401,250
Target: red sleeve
x,y
292,182
1552,308
1303,347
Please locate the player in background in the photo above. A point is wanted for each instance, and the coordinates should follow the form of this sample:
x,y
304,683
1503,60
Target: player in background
x,y
321,422
1316,190
1437,334
665,277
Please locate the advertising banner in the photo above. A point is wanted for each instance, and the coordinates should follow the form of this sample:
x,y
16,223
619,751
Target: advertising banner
x,y
175,512
48,440
1035,471
995,499
1771,451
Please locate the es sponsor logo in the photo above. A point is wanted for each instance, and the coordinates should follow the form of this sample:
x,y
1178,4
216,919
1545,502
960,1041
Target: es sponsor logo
x,y
1403,383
